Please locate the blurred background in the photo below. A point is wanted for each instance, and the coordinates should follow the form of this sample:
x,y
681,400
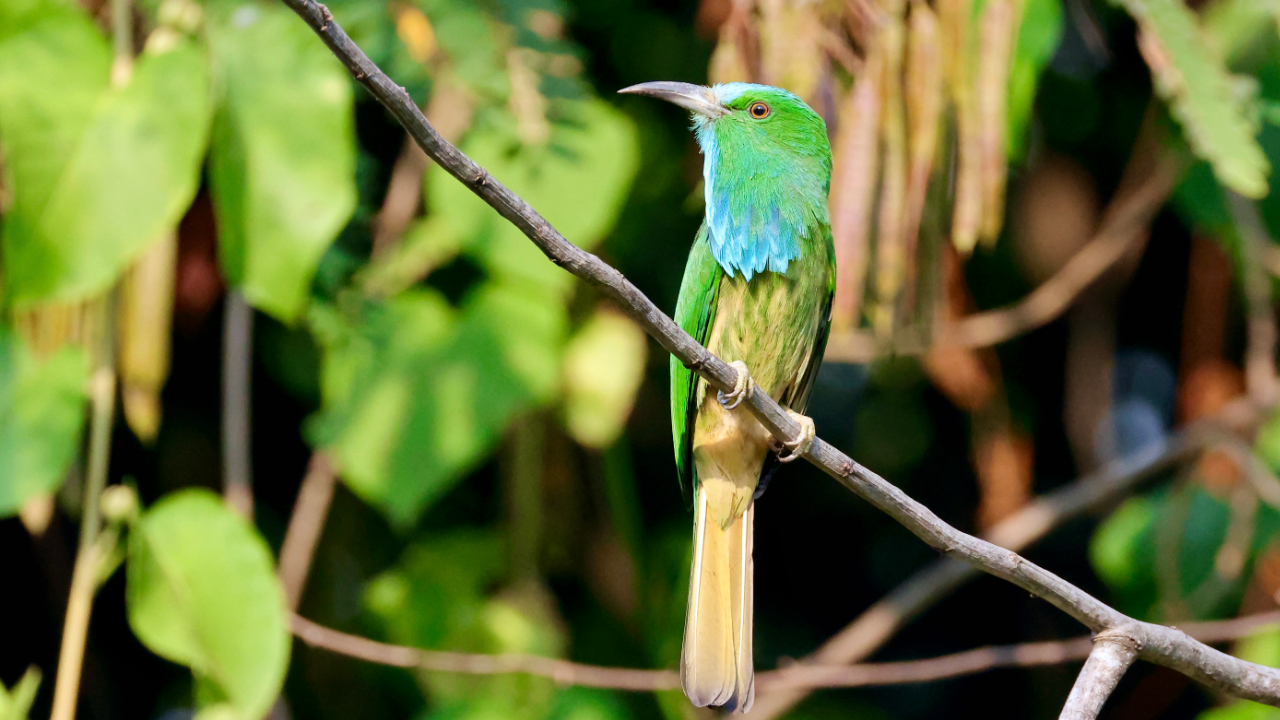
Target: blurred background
x,y
226,272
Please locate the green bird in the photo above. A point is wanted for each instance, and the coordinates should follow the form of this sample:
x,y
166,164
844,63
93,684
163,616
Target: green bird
x,y
757,291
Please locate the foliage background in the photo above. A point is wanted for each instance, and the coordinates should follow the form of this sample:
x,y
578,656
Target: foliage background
x,y
502,433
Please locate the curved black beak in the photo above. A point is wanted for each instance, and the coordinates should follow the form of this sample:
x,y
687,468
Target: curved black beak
x,y
695,98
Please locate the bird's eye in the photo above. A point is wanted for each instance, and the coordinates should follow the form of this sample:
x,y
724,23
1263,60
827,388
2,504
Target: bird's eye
x,y
759,110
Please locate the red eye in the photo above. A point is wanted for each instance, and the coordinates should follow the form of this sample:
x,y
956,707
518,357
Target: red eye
x,y
759,110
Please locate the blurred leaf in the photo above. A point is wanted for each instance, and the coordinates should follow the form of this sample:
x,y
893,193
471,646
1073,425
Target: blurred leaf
x,y
578,182
1267,442
98,173
1114,550
15,703
282,164
41,416
1200,201
417,393
603,366
580,703
438,597
470,40
1189,74
1038,39
202,592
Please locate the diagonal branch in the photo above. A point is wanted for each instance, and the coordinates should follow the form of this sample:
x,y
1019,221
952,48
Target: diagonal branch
x,y
1161,645
1112,655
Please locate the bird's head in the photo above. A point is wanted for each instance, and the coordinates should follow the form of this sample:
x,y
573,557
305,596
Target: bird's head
x,y
767,168
770,118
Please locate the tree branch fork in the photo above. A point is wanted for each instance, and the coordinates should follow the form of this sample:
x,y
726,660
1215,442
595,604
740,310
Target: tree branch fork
x,y
1162,645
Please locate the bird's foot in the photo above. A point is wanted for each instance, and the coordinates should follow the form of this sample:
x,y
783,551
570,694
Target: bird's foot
x,y
796,448
742,389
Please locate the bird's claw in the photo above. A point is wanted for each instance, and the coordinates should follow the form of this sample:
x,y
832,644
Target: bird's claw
x,y
742,388
796,448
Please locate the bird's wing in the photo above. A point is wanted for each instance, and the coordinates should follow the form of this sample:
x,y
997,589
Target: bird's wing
x,y
797,397
695,311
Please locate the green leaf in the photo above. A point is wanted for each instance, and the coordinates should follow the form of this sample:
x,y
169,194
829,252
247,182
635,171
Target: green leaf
x,y
1267,442
41,416
417,394
578,182
1190,75
202,592
98,173
438,596
1038,38
1114,548
15,703
282,161
603,366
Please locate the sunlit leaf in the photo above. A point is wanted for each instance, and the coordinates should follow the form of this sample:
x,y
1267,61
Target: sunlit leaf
x,y
15,702
603,366
1114,548
577,181
1190,75
439,596
418,393
202,592
41,415
98,173
282,161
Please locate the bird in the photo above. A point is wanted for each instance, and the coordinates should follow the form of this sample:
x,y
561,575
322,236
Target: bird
x,y
757,291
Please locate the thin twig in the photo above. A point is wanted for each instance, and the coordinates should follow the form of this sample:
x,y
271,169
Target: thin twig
x,y
1161,645
1111,657
562,671
237,367
306,524
1150,178
75,629
907,672
1260,354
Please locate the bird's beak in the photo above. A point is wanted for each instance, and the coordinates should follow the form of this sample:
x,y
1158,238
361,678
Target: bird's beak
x,y
696,98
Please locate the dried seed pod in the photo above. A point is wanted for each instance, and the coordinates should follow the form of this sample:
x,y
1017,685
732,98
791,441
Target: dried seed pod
x,y
924,116
954,16
856,158
791,45
145,315
891,220
998,31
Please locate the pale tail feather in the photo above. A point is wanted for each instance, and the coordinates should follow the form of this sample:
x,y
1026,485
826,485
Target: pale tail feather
x,y
716,664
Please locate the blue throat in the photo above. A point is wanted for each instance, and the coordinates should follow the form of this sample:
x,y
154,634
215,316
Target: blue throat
x,y
750,227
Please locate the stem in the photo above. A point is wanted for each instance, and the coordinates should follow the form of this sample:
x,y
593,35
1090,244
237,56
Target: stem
x,y
102,394
1111,657
237,366
524,495
122,39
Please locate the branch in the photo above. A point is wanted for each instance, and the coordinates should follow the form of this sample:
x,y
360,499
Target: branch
x,y
1162,645
562,671
306,524
875,626
237,370
969,662
1260,353
1149,179
1111,656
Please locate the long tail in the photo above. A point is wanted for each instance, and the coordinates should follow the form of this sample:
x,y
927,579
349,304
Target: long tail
x,y
716,665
